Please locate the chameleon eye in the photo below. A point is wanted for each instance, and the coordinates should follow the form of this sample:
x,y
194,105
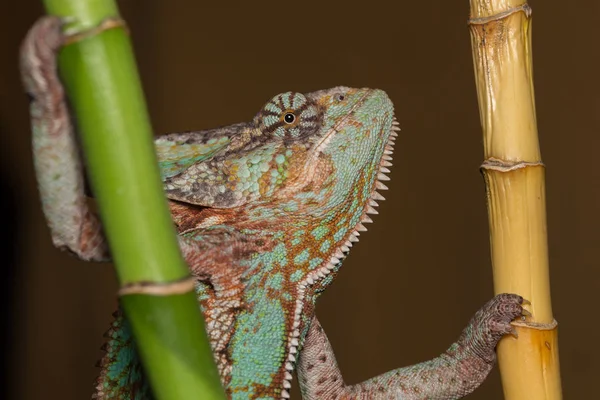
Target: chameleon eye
x,y
289,115
289,118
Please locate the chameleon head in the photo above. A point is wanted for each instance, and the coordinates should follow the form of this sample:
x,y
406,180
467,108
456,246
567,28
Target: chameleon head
x,y
353,146
312,149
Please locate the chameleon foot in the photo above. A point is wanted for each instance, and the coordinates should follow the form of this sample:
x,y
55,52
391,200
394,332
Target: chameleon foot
x,y
491,323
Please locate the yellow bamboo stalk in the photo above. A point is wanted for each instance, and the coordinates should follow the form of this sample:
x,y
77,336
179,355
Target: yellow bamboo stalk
x,y
514,176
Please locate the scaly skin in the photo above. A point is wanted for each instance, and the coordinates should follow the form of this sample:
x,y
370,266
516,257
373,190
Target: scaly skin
x,y
266,211
455,373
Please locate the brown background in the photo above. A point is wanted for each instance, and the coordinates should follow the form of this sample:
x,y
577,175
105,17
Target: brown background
x,y
415,279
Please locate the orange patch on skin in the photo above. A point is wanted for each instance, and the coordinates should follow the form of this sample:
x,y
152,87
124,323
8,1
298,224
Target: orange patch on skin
x,y
295,173
362,182
233,172
358,125
325,101
324,169
264,182
185,216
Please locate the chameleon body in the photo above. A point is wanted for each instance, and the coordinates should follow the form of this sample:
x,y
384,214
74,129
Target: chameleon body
x,y
266,211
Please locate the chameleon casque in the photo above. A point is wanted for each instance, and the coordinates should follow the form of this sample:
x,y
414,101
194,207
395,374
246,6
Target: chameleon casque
x,y
266,211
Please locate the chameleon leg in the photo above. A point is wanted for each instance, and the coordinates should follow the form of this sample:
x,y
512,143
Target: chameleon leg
x,y
57,160
452,375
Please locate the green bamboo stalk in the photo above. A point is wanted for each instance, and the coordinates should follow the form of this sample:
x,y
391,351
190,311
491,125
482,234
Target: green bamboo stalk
x,y
104,90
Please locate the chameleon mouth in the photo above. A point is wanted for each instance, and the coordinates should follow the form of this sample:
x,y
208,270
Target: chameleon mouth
x,y
340,253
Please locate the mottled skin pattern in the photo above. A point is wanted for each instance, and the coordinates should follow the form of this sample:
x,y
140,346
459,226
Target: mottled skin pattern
x,y
266,211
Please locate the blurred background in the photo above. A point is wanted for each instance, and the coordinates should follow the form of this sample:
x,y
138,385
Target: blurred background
x,y
423,268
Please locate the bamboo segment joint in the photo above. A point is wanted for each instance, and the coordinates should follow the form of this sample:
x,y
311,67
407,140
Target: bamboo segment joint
x,y
106,24
496,164
501,15
180,286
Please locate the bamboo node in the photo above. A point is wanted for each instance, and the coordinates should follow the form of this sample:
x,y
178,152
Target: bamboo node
x,y
497,164
525,8
536,325
179,286
105,25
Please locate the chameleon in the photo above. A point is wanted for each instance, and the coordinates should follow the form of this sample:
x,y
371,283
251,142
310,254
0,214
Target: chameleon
x,y
266,211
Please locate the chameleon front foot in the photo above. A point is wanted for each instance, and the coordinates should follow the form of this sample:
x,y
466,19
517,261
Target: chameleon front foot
x,y
491,323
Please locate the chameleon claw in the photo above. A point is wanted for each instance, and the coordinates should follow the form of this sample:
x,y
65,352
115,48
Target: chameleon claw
x,y
526,302
525,313
514,333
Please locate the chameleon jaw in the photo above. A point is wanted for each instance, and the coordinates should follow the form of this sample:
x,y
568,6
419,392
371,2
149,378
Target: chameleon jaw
x,y
339,254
